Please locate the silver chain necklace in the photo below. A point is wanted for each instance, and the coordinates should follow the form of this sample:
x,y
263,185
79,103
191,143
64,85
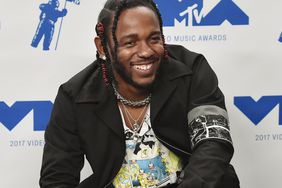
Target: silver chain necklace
x,y
135,126
130,102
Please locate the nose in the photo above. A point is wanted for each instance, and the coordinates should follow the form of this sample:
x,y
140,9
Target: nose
x,y
145,50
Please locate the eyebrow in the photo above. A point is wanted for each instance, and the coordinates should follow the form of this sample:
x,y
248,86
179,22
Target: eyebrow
x,y
135,35
155,33
128,37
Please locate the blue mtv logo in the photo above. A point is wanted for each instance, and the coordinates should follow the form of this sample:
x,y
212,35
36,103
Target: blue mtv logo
x,y
48,18
280,38
11,116
256,111
201,13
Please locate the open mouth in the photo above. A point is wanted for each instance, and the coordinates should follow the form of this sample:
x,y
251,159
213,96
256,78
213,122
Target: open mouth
x,y
143,67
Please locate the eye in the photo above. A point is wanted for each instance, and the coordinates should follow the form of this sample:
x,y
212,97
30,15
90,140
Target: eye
x,y
129,44
155,39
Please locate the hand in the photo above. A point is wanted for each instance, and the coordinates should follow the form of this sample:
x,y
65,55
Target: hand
x,y
64,11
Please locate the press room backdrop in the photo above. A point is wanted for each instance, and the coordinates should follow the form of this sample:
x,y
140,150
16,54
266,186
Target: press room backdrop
x,y
242,40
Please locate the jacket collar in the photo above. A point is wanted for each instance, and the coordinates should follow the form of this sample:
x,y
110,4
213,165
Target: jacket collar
x,y
103,101
95,91
102,97
164,86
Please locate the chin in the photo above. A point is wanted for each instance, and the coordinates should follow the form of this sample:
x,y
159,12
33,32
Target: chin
x,y
144,85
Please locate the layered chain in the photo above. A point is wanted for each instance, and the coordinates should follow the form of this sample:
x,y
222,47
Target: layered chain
x,y
131,103
135,125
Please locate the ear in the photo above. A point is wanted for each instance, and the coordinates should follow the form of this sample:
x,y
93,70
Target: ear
x,y
99,46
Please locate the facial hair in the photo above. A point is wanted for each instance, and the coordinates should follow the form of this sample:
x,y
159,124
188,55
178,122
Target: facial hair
x,y
121,70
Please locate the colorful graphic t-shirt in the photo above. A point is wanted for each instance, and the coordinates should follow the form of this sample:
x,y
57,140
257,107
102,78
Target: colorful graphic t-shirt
x,y
147,163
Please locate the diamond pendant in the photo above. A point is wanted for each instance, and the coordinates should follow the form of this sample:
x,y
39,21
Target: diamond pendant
x,y
135,137
135,127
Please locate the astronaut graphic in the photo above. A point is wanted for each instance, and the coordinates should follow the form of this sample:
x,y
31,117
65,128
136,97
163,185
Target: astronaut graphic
x,y
48,18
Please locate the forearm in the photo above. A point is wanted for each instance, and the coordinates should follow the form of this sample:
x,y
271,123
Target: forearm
x,y
207,165
62,157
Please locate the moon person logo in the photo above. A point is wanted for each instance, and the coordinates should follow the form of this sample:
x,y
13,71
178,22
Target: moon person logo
x,y
48,18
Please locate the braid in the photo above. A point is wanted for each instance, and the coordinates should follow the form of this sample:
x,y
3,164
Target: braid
x,y
102,30
122,5
161,26
158,14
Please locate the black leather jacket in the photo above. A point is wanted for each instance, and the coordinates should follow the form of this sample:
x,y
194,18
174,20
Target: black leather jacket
x,y
185,102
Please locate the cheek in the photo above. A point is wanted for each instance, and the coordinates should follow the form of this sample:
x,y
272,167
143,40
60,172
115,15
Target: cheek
x,y
124,56
159,49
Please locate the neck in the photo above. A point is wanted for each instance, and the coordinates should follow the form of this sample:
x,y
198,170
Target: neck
x,y
132,93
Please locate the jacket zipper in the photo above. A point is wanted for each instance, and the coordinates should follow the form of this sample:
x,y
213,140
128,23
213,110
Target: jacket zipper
x,y
180,178
189,154
107,185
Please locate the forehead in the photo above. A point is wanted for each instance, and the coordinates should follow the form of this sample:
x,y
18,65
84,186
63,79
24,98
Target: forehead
x,y
137,20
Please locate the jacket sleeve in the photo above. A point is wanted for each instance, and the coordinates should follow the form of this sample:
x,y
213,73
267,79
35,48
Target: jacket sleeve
x,y
62,157
208,128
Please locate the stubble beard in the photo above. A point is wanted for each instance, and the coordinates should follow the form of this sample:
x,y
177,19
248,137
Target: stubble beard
x,y
121,70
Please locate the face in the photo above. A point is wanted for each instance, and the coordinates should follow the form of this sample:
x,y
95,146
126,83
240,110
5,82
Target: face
x,y
140,48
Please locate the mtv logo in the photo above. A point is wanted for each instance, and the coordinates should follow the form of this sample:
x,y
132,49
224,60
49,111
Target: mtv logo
x,y
201,13
280,38
256,111
11,116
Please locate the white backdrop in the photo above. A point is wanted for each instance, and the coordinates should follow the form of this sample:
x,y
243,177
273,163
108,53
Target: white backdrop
x,y
246,57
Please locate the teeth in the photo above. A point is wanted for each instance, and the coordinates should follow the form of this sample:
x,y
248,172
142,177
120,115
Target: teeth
x,y
143,67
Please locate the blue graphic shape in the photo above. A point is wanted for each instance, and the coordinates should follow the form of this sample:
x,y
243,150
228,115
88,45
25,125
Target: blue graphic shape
x,y
280,38
77,2
10,117
171,10
153,167
256,111
226,10
191,12
48,18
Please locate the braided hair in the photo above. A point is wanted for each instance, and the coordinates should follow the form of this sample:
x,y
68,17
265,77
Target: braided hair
x,y
108,16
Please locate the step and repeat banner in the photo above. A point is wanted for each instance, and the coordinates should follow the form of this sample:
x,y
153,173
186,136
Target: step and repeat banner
x,y
242,41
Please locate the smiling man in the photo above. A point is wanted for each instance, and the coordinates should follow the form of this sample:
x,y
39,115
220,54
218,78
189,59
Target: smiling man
x,y
144,114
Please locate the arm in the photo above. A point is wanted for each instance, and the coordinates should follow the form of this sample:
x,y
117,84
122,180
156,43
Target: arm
x,y
208,127
62,13
63,157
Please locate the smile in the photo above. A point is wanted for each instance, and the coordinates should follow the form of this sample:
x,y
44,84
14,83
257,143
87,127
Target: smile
x,y
143,67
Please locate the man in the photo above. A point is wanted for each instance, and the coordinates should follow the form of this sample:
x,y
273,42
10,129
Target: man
x,y
144,114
